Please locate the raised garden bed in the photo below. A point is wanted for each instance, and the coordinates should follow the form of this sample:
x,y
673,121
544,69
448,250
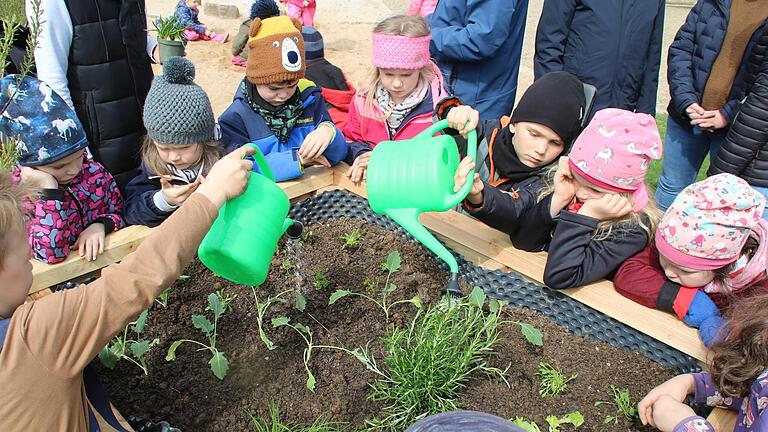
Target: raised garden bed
x,y
186,393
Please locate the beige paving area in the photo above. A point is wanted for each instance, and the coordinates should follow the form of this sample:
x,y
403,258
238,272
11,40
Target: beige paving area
x,y
346,27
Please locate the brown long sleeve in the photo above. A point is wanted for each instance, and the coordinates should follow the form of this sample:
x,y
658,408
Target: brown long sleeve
x,y
50,341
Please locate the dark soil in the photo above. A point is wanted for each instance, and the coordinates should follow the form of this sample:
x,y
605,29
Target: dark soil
x,y
186,393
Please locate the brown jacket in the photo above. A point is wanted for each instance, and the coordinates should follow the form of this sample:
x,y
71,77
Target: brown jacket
x,y
50,341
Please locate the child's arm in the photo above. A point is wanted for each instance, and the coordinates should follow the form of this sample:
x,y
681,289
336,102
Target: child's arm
x,y
501,209
337,147
48,226
187,20
706,393
240,40
52,50
646,101
111,207
353,134
642,280
535,227
576,258
679,64
551,35
142,205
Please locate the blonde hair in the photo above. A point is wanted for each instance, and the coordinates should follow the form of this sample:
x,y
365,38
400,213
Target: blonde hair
x,y
398,25
604,228
11,214
211,153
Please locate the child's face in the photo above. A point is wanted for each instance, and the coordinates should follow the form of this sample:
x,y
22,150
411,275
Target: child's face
x,y
586,190
180,156
65,170
685,276
16,274
536,145
400,83
277,94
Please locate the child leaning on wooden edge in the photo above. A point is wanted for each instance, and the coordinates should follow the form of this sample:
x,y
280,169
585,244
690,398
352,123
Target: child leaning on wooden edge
x,y
46,345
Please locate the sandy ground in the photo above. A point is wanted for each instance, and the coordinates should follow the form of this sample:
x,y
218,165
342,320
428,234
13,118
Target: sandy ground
x,y
346,27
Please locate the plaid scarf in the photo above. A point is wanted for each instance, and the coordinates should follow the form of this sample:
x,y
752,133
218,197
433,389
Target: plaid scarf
x,y
396,113
280,120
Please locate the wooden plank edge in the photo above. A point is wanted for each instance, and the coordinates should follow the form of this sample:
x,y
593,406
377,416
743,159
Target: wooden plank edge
x,y
723,420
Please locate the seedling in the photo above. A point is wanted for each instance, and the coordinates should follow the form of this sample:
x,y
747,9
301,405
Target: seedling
x,y
275,424
624,406
525,424
575,418
351,239
183,277
162,299
226,300
219,362
287,267
321,282
306,237
133,350
391,265
553,381
431,359
531,333
261,311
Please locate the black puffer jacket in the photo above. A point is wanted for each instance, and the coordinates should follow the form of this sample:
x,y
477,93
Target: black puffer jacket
x,y
745,149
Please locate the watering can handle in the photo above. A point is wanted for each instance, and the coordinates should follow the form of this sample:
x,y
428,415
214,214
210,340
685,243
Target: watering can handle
x,y
457,197
261,161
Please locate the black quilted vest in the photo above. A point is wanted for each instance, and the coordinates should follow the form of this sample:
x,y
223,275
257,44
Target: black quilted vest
x,y
109,77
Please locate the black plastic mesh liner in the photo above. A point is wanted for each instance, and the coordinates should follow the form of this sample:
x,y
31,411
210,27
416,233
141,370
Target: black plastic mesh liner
x,y
508,286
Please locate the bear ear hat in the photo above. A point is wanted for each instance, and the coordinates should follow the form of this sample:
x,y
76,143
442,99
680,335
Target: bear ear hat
x,y
255,26
296,23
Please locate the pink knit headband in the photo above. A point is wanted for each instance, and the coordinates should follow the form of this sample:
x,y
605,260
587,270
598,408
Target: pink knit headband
x,y
400,52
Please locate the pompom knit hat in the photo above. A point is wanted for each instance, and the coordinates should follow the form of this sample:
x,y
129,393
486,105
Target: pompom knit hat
x,y
615,150
709,222
564,117
313,43
46,127
275,51
177,110
264,9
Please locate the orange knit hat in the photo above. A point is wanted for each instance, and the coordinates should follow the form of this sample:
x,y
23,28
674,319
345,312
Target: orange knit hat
x,y
275,51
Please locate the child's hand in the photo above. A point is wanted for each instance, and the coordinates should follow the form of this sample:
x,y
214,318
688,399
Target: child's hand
x,y
38,179
208,32
318,161
678,388
668,413
90,242
466,166
176,195
463,118
228,177
356,172
607,207
565,187
316,142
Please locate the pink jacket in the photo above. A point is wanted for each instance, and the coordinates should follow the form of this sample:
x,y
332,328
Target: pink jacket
x,y
299,3
422,7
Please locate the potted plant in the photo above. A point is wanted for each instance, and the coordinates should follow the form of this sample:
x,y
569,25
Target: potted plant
x,y
170,37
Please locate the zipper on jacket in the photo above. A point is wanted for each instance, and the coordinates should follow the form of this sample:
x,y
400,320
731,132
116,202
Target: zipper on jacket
x,y
77,204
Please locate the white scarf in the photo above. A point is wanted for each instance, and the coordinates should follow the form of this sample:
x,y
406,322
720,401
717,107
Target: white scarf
x,y
396,113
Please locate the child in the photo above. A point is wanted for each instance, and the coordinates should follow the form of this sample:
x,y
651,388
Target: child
x,y
710,245
46,345
260,8
187,12
597,212
78,202
277,109
513,153
179,147
399,101
302,10
422,7
737,379
337,90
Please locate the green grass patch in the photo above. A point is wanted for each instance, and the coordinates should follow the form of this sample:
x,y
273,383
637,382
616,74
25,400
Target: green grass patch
x,y
275,424
10,8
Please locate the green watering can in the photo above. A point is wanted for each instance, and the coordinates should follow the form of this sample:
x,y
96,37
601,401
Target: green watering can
x,y
409,177
243,238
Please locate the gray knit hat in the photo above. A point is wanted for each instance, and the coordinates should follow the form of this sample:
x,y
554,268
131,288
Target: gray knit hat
x,y
177,110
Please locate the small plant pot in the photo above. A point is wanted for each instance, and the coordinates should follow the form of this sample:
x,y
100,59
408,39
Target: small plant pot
x,y
171,48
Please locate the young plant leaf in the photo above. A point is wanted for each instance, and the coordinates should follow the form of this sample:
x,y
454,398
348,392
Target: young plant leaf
x,y
575,418
171,356
108,358
310,380
526,425
393,262
214,302
183,277
219,365
416,300
390,289
477,297
337,295
302,328
532,334
494,305
280,321
140,348
141,321
202,323
301,302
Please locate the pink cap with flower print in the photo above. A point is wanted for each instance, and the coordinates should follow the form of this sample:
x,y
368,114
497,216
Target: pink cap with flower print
x,y
615,150
707,225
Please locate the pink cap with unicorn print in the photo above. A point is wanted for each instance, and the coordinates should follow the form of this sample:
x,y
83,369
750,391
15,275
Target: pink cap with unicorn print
x,y
615,150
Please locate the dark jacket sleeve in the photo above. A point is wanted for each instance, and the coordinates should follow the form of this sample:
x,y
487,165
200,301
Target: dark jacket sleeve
x,y
642,280
646,102
679,64
535,227
749,131
241,38
140,208
576,258
552,35
501,209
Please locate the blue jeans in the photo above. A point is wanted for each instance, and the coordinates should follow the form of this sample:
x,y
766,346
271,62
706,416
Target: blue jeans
x,y
684,152
764,192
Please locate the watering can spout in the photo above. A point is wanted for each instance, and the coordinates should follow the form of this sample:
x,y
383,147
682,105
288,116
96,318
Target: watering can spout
x,y
409,219
293,229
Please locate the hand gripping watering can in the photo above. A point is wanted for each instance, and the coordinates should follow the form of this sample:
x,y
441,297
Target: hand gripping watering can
x,y
406,178
240,244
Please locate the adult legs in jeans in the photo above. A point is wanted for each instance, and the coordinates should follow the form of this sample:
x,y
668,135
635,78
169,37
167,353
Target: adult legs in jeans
x,y
684,153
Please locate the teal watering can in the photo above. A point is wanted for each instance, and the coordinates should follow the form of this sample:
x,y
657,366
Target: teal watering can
x,y
406,178
243,238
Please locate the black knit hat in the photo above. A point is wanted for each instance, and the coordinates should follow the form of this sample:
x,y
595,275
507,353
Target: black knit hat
x,y
555,100
313,43
264,9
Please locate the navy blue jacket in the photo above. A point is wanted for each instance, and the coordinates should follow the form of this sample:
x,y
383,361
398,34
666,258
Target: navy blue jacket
x,y
240,124
692,54
615,45
140,208
477,45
